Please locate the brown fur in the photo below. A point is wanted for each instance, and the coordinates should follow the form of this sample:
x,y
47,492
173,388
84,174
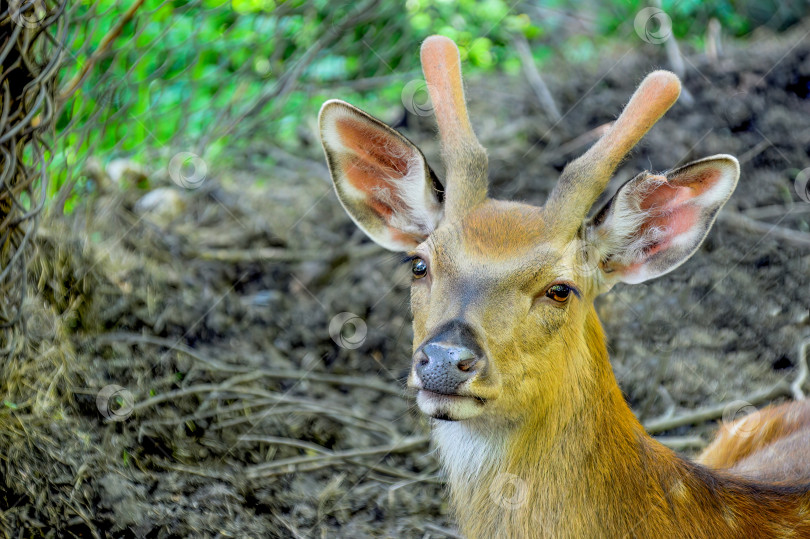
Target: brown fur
x,y
590,470
770,443
549,447
585,462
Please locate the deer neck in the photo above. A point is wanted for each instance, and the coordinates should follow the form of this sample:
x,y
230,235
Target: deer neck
x,y
581,469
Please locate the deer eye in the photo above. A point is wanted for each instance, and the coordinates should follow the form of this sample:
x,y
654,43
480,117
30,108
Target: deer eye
x,y
559,292
418,268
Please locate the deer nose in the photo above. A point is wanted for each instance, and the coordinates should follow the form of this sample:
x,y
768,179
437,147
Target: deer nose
x,y
442,367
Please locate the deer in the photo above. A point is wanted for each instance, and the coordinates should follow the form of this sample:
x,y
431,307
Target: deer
x,y
510,363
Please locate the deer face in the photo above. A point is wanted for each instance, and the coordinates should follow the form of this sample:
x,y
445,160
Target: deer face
x,y
502,292
491,298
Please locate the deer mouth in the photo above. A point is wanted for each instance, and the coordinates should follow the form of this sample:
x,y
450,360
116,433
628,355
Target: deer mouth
x,y
449,407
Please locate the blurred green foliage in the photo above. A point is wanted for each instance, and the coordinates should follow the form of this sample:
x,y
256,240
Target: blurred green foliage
x,y
227,78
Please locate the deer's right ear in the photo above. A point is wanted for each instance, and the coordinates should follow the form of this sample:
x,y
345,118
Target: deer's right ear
x,y
381,178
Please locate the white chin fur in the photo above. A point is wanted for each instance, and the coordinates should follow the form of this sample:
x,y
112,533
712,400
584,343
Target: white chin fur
x,y
448,406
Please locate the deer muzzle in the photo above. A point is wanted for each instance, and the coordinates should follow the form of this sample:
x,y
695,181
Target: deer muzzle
x,y
444,367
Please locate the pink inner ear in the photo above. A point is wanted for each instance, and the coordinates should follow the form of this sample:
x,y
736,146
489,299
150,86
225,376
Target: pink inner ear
x,y
667,208
373,160
677,191
374,148
699,181
659,221
368,179
675,220
661,196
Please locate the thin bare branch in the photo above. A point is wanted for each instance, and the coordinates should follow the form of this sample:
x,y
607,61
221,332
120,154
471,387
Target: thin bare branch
x,y
747,224
709,413
72,85
801,376
307,463
536,82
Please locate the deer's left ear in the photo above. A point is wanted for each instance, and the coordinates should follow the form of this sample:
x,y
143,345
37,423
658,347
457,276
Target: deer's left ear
x,y
654,223
381,178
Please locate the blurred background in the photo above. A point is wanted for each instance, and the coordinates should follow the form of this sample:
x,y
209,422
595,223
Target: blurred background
x,y
196,341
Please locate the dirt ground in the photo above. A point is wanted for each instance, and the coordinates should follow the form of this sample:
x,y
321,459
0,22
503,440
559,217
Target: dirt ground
x,y
247,420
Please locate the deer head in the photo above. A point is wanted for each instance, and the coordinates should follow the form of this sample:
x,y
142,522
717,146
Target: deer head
x,y
502,292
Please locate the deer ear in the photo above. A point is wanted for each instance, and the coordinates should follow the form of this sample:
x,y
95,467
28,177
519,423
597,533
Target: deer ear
x,y
654,223
380,177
